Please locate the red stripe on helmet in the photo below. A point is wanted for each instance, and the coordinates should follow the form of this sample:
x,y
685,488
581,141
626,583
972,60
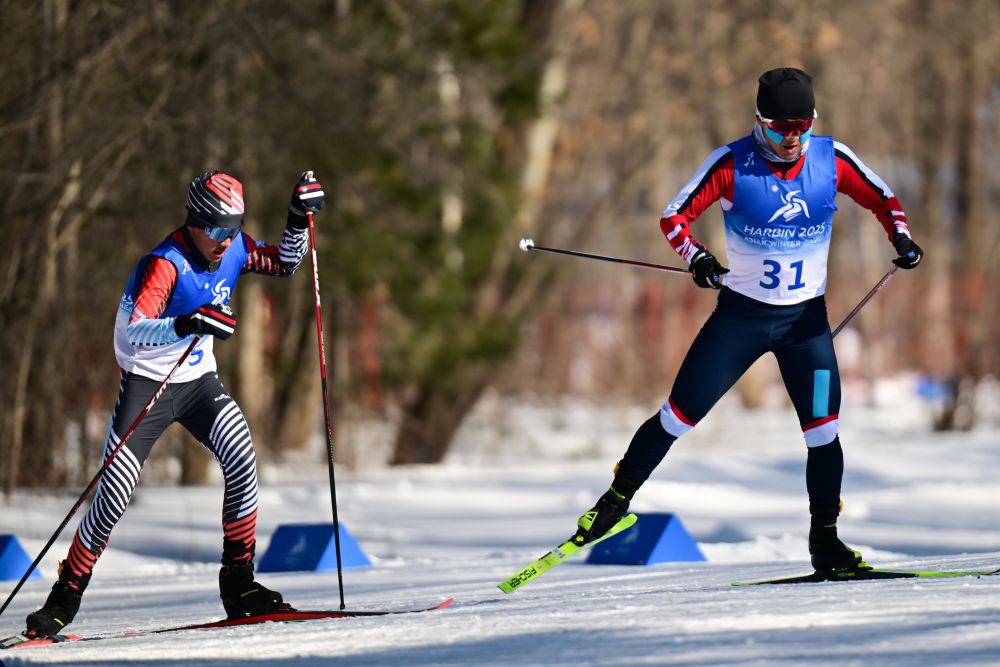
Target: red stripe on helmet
x,y
228,189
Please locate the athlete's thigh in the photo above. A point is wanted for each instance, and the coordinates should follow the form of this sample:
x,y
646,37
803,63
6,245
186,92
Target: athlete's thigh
x,y
734,336
808,365
212,416
133,397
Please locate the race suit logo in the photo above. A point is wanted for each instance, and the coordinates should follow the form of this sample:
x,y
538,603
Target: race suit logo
x,y
794,206
221,293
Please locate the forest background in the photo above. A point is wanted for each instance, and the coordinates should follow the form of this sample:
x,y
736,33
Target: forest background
x,y
444,131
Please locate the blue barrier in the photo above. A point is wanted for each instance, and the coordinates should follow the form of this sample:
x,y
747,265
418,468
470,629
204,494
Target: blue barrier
x,y
310,548
14,561
656,537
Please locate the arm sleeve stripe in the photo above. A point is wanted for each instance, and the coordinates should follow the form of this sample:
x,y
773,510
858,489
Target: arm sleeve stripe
x,y
867,175
715,161
281,260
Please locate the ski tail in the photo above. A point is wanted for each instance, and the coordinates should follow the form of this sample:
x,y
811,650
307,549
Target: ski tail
x,y
283,615
558,555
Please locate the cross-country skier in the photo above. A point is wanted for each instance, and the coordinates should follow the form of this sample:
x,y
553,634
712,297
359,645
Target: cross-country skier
x,y
180,289
777,187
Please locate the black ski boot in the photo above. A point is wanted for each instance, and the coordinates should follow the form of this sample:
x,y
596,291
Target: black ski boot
x,y
825,548
242,596
60,607
608,511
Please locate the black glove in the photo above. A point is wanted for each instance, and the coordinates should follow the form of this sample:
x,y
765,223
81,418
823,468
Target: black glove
x,y
212,319
307,196
706,270
909,252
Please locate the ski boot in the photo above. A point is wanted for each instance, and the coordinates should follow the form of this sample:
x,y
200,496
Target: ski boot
x,y
826,550
242,596
608,511
60,607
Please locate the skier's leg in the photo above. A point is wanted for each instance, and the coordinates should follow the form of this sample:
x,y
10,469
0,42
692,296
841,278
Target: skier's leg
x,y
113,494
808,365
215,419
733,337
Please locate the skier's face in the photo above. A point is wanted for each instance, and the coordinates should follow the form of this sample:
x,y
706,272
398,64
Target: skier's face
x,y
787,142
209,248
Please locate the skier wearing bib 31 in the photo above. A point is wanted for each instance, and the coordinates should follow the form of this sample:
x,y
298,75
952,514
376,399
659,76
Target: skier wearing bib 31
x,y
776,187
180,289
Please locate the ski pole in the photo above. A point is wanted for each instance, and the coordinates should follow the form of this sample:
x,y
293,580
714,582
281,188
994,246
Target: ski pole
x,y
868,297
326,408
107,463
528,244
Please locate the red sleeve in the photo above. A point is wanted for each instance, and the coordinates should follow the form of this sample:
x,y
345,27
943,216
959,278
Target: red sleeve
x,y
863,186
262,258
155,289
714,181
281,260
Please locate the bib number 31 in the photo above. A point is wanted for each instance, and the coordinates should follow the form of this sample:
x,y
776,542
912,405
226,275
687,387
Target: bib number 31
x,y
772,275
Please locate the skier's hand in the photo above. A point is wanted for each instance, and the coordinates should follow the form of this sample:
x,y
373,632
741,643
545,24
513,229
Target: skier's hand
x,y
706,270
213,319
307,196
909,252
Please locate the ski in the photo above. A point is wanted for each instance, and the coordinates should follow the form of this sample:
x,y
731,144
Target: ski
x,y
867,574
281,616
558,555
20,641
285,615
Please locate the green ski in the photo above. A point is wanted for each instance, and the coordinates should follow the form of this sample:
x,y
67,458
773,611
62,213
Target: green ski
x,y
866,573
558,555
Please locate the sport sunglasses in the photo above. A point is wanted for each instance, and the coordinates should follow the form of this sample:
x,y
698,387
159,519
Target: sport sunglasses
x,y
778,129
220,234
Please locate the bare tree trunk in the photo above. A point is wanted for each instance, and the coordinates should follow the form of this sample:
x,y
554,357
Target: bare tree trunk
x,y
936,335
538,142
429,424
253,382
41,310
433,415
967,311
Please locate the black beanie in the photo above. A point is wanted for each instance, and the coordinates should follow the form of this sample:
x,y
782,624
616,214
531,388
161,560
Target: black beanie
x,y
785,93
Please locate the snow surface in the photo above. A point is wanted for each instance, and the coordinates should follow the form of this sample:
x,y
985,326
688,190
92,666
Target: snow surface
x,y
520,476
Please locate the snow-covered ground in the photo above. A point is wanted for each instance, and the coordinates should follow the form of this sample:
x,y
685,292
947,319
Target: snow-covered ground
x,y
518,479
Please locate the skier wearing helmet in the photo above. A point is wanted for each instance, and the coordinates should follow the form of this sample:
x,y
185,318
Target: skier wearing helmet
x,y
180,289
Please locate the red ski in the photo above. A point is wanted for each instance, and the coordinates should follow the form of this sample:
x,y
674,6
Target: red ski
x,y
282,616
20,641
289,615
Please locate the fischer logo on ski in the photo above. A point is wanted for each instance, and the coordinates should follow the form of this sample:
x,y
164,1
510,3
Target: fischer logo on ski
x,y
558,555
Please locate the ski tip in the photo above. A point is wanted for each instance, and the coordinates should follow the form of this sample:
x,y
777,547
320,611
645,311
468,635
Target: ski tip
x,y
508,586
